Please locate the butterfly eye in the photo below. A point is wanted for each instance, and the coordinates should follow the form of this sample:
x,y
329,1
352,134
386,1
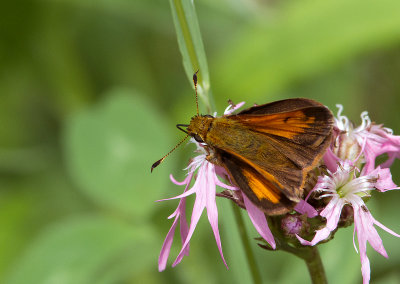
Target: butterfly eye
x,y
198,138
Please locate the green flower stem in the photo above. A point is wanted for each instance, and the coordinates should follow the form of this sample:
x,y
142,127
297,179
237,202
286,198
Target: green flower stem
x,y
194,58
310,254
251,261
186,34
312,258
315,266
191,46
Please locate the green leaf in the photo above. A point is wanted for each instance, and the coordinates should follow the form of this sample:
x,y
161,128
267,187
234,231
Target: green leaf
x,y
83,250
110,149
303,39
27,204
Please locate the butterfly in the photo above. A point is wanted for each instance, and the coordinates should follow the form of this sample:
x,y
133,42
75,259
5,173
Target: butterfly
x,y
267,150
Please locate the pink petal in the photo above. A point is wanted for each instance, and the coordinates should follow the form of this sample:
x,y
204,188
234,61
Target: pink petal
x,y
365,266
259,221
320,235
370,157
385,181
386,228
198,207
332,214
305,208
354,242
183,225
362,245
364,223
183,195
185,181
331,160
379,141
223,185
166,247
231,109
212,214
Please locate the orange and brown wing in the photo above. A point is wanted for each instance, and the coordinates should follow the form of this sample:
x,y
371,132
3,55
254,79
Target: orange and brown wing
x,y
287,138
262,189
281,106
301,132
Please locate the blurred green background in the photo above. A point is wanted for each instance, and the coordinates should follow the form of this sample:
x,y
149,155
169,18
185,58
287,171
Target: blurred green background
x,y
90,92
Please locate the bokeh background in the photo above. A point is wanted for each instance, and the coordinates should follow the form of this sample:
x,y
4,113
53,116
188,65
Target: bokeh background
x,y
90,92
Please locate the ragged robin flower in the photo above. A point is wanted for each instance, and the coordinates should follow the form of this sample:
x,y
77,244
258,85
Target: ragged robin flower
x,y
346,186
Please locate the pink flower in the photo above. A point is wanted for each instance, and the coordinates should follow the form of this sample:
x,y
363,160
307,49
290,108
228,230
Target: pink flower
x,y
379,140
345,188
205,189
368,139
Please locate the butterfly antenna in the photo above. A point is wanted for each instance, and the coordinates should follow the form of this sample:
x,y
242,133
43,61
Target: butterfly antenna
x,y
195,89
163,158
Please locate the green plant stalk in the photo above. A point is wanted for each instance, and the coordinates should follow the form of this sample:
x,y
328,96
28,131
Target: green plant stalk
x,y
315,266
194,58
312,258
192,50
310,254
251,261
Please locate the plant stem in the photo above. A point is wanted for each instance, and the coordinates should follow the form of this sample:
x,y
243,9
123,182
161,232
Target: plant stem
x,y
251,261
312,258
193,54
310,254
315,266
186,34
191,46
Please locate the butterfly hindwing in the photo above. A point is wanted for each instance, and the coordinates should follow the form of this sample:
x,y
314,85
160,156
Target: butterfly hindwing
x,y
263,190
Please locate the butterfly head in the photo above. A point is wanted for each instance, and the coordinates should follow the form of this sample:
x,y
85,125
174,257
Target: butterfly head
x,y
199,126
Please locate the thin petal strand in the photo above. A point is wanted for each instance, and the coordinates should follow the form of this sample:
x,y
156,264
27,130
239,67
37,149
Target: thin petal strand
x,y
259,221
